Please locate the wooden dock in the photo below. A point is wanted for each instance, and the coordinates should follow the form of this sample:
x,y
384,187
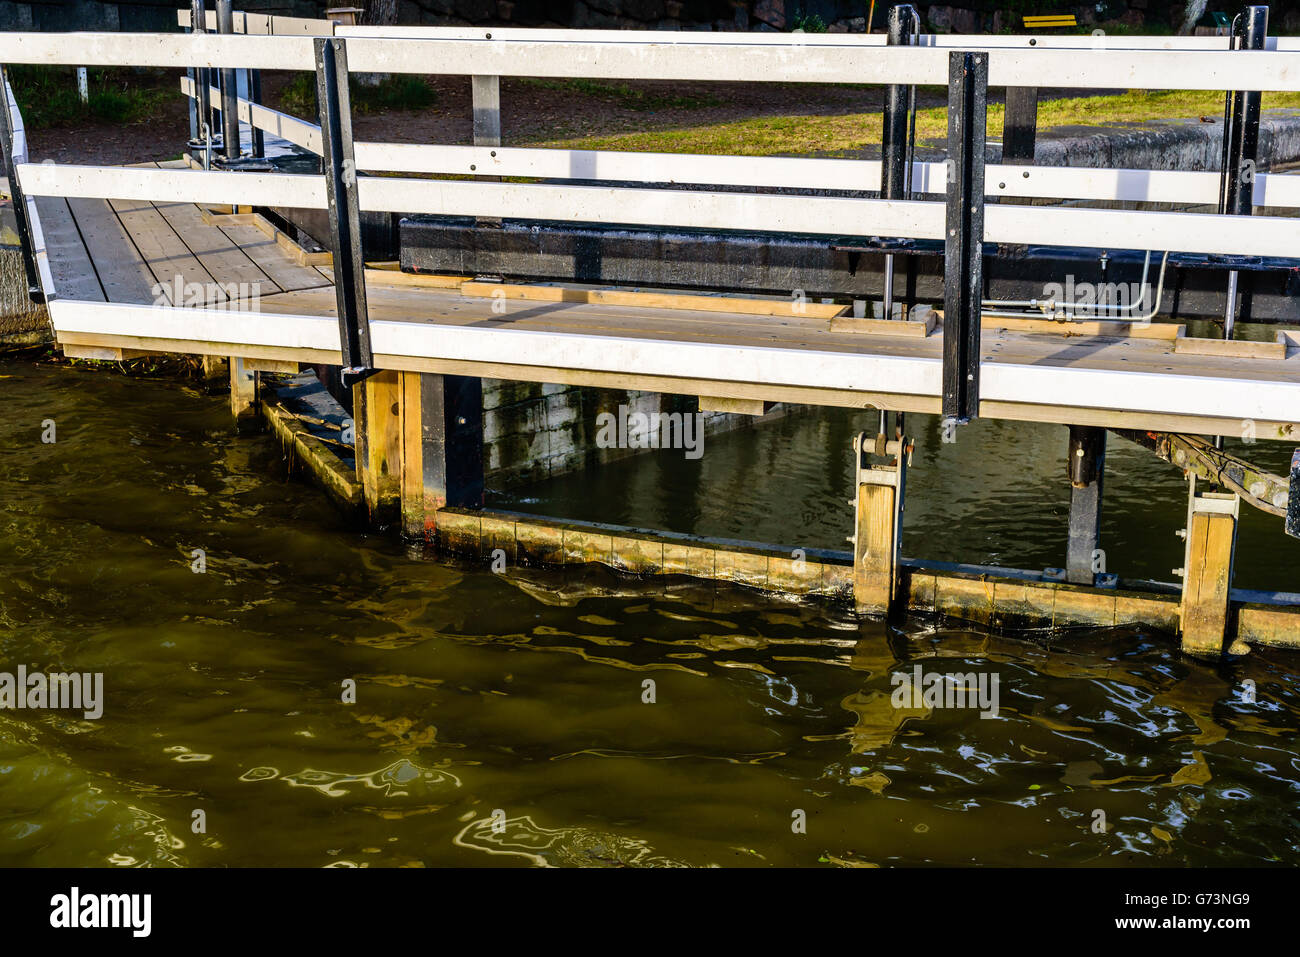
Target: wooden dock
x,y
180,258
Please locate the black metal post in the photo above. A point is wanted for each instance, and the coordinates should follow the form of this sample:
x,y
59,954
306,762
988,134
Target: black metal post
x,y
1020,126
255,99
1241,144
202,84
963,270
896,143
894,140
34,291
340,169
1087,470
229,86
1241,136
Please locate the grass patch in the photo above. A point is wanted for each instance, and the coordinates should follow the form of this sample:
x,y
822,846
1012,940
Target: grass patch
x,y
399,91
48,97
849,133
629,97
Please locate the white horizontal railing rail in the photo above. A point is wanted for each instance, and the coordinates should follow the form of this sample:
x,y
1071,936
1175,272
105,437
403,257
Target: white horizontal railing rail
x,y
262,24
838,216
765,60
772,172
1277,71
776,172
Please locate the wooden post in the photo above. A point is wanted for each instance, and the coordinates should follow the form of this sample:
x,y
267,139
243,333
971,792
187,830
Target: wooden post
x,y
377,412
441,448
878,523
243,395
1207,575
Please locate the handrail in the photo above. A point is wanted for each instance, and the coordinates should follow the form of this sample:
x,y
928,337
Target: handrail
x,y
1277,71
777,172
262,24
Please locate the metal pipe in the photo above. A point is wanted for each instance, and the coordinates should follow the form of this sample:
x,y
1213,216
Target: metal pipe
x,y
1051,313
202,83
895,144
229,88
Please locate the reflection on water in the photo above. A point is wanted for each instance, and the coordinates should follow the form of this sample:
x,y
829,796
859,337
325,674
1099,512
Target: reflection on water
x,y
502,720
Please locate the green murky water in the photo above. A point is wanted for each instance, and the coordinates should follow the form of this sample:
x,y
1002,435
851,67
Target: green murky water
x,y
518,698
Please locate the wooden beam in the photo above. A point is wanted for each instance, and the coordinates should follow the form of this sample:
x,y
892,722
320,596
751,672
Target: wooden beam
x,y
1207,575
243,395
877,526
710,403
377,413
441,449
271,365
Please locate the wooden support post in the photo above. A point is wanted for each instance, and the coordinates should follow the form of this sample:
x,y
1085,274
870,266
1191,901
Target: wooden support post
x,y
1207,573
878,522
243,395
377,412
1087,465
441,448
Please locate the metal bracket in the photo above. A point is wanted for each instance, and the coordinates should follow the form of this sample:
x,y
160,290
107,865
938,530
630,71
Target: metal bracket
x,y
963,265
340,169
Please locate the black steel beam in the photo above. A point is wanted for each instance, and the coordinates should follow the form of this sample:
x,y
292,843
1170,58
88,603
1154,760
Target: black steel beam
x,y
963,278
895,141
1087,471
344,210
1241,132
229,87
255,97
1020,125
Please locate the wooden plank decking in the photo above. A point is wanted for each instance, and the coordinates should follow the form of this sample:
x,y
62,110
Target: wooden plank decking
x,y
130,252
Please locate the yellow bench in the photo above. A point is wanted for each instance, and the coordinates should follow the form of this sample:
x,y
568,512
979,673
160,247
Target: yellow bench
x,y
1051,20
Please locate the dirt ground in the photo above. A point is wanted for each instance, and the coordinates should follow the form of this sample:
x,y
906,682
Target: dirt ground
x,y
529,113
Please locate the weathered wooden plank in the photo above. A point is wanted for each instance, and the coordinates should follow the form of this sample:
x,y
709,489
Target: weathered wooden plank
x,y
1235,348
377,410
180,277
122,273
70,265
227,263
1211,537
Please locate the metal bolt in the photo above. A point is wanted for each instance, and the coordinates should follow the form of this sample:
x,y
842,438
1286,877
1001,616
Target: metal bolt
x,y
1180,572
1182,533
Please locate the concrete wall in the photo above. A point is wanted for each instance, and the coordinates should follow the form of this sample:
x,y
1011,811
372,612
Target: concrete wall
x,y
534,430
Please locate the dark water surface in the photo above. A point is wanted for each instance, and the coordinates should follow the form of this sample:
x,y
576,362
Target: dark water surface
x,y
521,694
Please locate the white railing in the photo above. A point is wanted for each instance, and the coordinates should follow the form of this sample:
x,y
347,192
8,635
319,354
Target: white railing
x,y
758,58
